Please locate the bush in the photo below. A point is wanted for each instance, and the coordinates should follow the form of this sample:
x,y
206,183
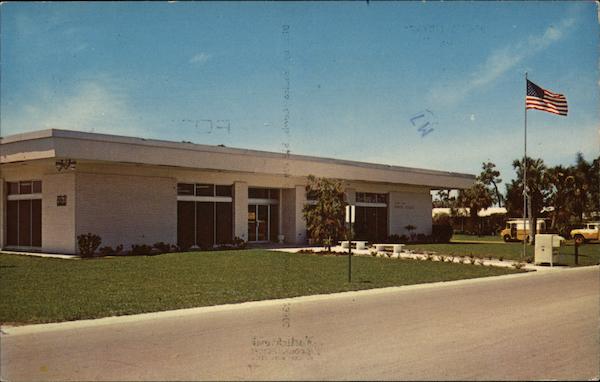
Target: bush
x,y
164,247
140,250
88,244
109,251
239,243
441,233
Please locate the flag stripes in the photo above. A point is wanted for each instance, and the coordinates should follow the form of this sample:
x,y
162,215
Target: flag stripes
x,y
545,100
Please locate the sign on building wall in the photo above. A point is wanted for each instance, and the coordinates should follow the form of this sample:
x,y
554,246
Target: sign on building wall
x,y
61,200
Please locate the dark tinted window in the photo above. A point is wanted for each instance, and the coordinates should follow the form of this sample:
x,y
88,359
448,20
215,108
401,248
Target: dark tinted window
x,y
25,187
258,193
13,188
205,190
37,186
223,190
185,189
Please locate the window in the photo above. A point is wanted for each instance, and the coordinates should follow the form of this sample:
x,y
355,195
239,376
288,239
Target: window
x,y
205,215
224,190
263,193
24,214
25,187
370,197
185,189
205,190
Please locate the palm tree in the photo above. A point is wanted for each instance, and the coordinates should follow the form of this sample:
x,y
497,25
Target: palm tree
x,y
491,176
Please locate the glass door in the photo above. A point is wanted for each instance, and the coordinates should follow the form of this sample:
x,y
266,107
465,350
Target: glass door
x,y
252,224
262,229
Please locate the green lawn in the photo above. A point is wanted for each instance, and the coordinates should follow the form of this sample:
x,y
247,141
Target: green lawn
x,y
459,237
589,253
36,290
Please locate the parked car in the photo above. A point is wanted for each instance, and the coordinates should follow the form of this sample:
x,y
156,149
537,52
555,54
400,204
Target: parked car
x,y
590,231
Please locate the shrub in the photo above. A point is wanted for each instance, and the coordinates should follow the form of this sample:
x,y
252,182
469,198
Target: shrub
x,y
441,233
163,247
394,239
88,244
140,250
239,243
518,265
109,251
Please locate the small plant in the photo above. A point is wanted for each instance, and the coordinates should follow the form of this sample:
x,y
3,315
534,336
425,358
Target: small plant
x,y
518,265
373,253
472,259
109,251
163,247
489,257
529,260
140,250
410,228
461,260
480,262
501,258
306,251
239,243
428,257
451,258
88,244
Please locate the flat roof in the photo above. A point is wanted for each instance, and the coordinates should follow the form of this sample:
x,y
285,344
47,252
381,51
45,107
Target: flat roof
x,y
57,143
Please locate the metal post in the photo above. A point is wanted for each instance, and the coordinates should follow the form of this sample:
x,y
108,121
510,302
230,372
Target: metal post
x,y
350,249
524,180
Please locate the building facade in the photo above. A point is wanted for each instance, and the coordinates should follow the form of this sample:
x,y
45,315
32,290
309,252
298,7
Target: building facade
x,y
58,184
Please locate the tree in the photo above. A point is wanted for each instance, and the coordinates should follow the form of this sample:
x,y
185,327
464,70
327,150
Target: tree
x,y
491,176
561,192
537,190
325,218
475,198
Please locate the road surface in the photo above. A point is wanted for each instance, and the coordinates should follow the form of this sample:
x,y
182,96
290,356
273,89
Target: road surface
x,y
536,326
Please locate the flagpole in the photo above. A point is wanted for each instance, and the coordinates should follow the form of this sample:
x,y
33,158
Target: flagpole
x,y
524,169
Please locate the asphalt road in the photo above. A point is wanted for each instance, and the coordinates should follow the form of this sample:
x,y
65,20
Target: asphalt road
x,y
538,326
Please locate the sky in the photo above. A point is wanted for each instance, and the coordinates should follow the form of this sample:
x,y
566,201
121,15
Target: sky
x,y
437,85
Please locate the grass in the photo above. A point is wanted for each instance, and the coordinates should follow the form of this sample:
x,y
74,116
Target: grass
x,y
589,253
459,237
36,290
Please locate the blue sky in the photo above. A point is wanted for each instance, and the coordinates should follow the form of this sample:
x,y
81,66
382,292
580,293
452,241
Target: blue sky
x,y
359,76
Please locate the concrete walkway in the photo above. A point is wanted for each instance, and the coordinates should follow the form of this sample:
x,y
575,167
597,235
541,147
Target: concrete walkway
x,y
40,254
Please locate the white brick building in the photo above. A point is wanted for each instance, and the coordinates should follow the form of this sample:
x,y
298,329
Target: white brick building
x,y
142,191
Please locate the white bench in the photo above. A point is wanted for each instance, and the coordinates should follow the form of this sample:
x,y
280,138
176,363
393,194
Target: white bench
x,y
359,244
396,248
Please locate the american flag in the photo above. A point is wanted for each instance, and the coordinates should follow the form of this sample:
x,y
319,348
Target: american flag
x,y
542,99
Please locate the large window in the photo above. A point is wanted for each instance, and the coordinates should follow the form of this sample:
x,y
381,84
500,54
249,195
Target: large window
x,y
24,214
204,215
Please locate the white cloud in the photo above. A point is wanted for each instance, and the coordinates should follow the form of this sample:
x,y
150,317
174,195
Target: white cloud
x,y
93,105
200,58
499,62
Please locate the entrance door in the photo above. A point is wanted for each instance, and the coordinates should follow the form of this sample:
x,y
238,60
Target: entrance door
x,y
258,222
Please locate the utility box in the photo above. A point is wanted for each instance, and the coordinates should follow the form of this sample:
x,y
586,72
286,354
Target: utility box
x,y
546,249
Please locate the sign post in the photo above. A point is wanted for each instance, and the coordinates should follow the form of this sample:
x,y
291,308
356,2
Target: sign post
x,y
350,216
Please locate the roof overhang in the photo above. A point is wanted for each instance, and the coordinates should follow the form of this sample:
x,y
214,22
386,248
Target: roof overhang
x,y
58,144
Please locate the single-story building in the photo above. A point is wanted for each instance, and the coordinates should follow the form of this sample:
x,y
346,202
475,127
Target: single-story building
x,y
58,184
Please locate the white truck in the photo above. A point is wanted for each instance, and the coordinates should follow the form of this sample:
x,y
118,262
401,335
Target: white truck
x,y
591,231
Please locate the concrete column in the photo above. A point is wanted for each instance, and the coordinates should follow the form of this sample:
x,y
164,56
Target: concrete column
x,y
240,210
300,223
